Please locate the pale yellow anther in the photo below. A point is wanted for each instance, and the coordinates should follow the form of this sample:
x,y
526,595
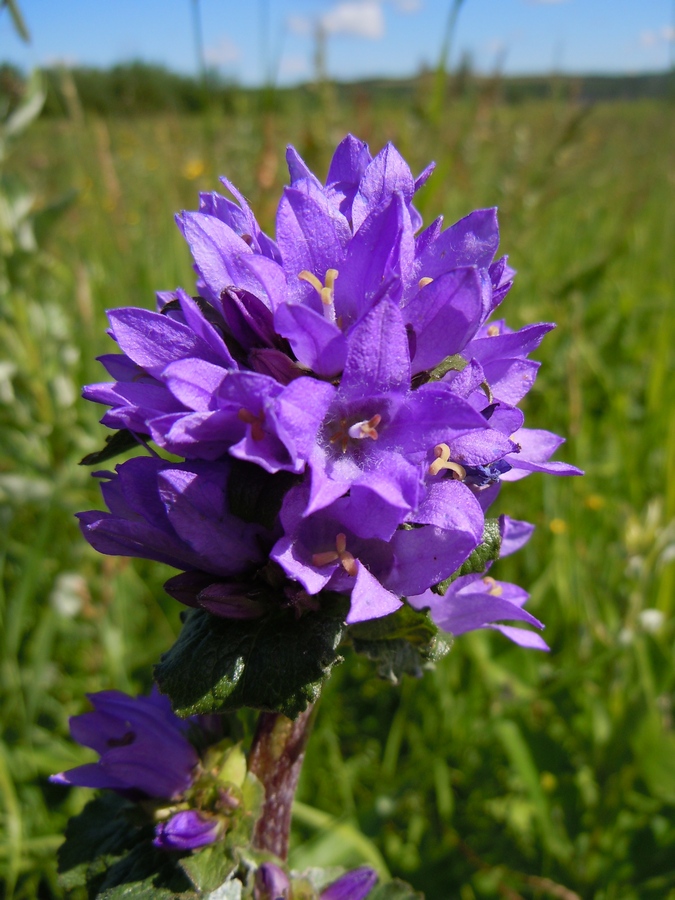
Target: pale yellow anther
x,y
340,554
326,290
310,278
493,330
256,423
423,282
494,589
443,461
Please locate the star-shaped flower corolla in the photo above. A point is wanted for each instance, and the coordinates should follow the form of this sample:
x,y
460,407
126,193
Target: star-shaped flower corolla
x,y
326,550
142,746
174,513
378,433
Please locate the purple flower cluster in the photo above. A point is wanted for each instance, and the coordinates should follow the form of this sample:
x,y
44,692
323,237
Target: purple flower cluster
x,y
144,753
358,357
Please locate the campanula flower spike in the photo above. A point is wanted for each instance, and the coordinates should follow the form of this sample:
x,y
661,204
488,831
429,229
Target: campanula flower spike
x,y
342,407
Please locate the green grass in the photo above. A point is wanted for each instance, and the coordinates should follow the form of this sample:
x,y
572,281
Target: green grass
x,y
504,773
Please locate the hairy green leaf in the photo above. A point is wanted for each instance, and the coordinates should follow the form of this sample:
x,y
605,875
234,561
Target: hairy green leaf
x,y
403,643
275,664
115,444
487,551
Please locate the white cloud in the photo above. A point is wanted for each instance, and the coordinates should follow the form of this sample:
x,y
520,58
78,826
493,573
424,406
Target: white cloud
x,y
223,53
361,18
650,39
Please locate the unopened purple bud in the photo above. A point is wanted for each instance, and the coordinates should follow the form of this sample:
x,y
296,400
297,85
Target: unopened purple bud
x,y
186,831
355,885
271,883
230,601
274,363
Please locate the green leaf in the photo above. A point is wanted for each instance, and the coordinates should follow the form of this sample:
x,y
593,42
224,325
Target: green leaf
x,y
395,890
275,664
108,849
116,443
403,643
255,495
95,839
210,867
146,873
487,551
17,19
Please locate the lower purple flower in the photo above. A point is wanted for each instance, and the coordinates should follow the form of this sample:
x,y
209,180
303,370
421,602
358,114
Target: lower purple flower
x,y
186,830
141,743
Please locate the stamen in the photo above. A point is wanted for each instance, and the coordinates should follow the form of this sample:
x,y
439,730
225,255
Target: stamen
x,y
493,588
493,330
423,282
256,423
340,554
443,461
365,429
310,278
328,292
323,559
325,291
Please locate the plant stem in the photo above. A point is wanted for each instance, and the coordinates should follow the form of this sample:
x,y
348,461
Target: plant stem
x,y
276,758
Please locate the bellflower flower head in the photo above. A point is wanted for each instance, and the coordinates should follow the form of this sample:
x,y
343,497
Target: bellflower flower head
x,y
147,756
355,355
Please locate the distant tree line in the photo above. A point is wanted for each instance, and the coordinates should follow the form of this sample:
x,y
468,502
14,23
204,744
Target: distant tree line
x,y
138,88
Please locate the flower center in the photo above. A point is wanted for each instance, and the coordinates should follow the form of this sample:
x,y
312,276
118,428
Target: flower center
x,y
366,428
443,461
256,423
326,291
340,554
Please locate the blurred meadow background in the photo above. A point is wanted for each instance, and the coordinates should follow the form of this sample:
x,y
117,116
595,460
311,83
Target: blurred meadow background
x,y
502,773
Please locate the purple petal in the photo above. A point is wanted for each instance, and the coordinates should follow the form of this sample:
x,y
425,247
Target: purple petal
x,y
472,241
317,343
511,379
378,361
312,236
217,251
512,345
427,555
388,173
444,316
153,341
379,260
297,167
515,534
369,599
523,637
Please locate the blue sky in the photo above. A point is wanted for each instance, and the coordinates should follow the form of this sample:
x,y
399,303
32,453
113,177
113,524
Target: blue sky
x,y
364,37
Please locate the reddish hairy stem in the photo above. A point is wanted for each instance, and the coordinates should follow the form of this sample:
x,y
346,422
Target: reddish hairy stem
x,y
276,758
